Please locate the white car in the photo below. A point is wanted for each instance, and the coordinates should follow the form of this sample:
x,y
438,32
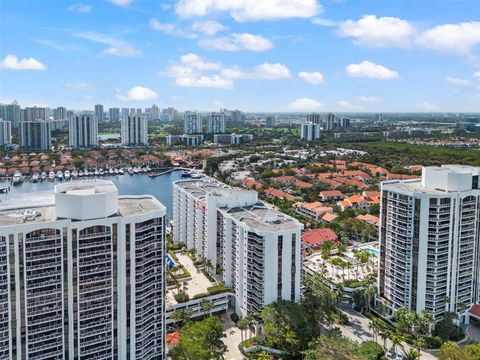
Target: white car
x,y
399,356
390,354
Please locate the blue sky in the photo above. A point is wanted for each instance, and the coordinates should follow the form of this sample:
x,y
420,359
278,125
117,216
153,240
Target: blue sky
x,y
268,55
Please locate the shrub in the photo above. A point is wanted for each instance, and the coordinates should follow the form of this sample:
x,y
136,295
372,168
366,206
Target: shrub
x,y
218,289
182,297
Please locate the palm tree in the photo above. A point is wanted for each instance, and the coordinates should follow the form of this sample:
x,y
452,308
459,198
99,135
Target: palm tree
x,y
412,354
370,291
396,340
242,325
385,335
419,343
207,305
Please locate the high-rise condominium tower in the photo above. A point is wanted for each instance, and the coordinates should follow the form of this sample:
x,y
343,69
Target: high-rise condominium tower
x,y
5,132
310,131
84,278
192,123
99,114
12,113
83,131
314,118
330,122
35,135
114,114
258,248
134,130
216,123
429,241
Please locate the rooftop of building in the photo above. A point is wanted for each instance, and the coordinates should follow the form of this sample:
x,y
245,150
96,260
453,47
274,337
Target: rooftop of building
x,y
263,218
200,188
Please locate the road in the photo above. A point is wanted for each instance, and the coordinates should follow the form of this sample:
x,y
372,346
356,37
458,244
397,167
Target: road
x,y
358,330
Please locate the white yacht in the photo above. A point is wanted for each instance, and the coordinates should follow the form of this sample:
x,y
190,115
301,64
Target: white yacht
x,y
80,173
135,170
59,175
116,171
35,177
121,171
17,178
75,173
43,176
110,171
51,175
67,175
101,172
96,172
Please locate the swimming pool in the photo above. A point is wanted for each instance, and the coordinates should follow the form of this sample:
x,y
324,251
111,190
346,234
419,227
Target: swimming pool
x,y
372,251
170,261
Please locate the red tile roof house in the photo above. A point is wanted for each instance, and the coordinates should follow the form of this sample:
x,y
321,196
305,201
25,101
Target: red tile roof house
x,y
251,183
313,211
283,179
279,194
331,195
313,239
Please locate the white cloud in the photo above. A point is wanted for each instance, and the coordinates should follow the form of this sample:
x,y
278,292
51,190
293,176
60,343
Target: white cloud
x,y
314,77
197,62
138,93
456,38
171,29
117,47
457,81
476,75
370,70
209,27
268,71
12,62
238,42
304,105
427,107
250,10
378,32
203,81
233,73
121,2
368,99
324,22
80,7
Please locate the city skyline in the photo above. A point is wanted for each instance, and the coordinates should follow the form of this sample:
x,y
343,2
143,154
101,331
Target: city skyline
x,y
299,56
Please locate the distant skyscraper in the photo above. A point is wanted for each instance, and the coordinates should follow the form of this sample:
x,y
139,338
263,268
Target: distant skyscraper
x,y
330,122
134,130
125,112
192,123
99,114
343,122
216,123
430,241
83,278
5,134
236,116
379,117
114,114
310,131
139,111
34,113
155,112
83,131
314,118
12,113
35,135
133,111
270,121
60,113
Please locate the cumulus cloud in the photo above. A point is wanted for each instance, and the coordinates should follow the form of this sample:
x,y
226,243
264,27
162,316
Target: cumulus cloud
x,y
250,10
80,7
378,32
347,105
456,38
194,71
304,105
237,42
427,107
138,93
121,2
314,77
171,29
368,99
457,81
80,86
268,71
117,47
209,27
324,22
12,62
476,75
370,70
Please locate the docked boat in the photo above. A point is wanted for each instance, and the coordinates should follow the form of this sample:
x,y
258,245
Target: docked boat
x,y
59,175
96,172
195,176
101,172
17,178
144,170
130,171
116,171
67,175
135,170
35,177
121,171
80,173
149,168
51,175
110,171
75,173
43,176
153,175
186,174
